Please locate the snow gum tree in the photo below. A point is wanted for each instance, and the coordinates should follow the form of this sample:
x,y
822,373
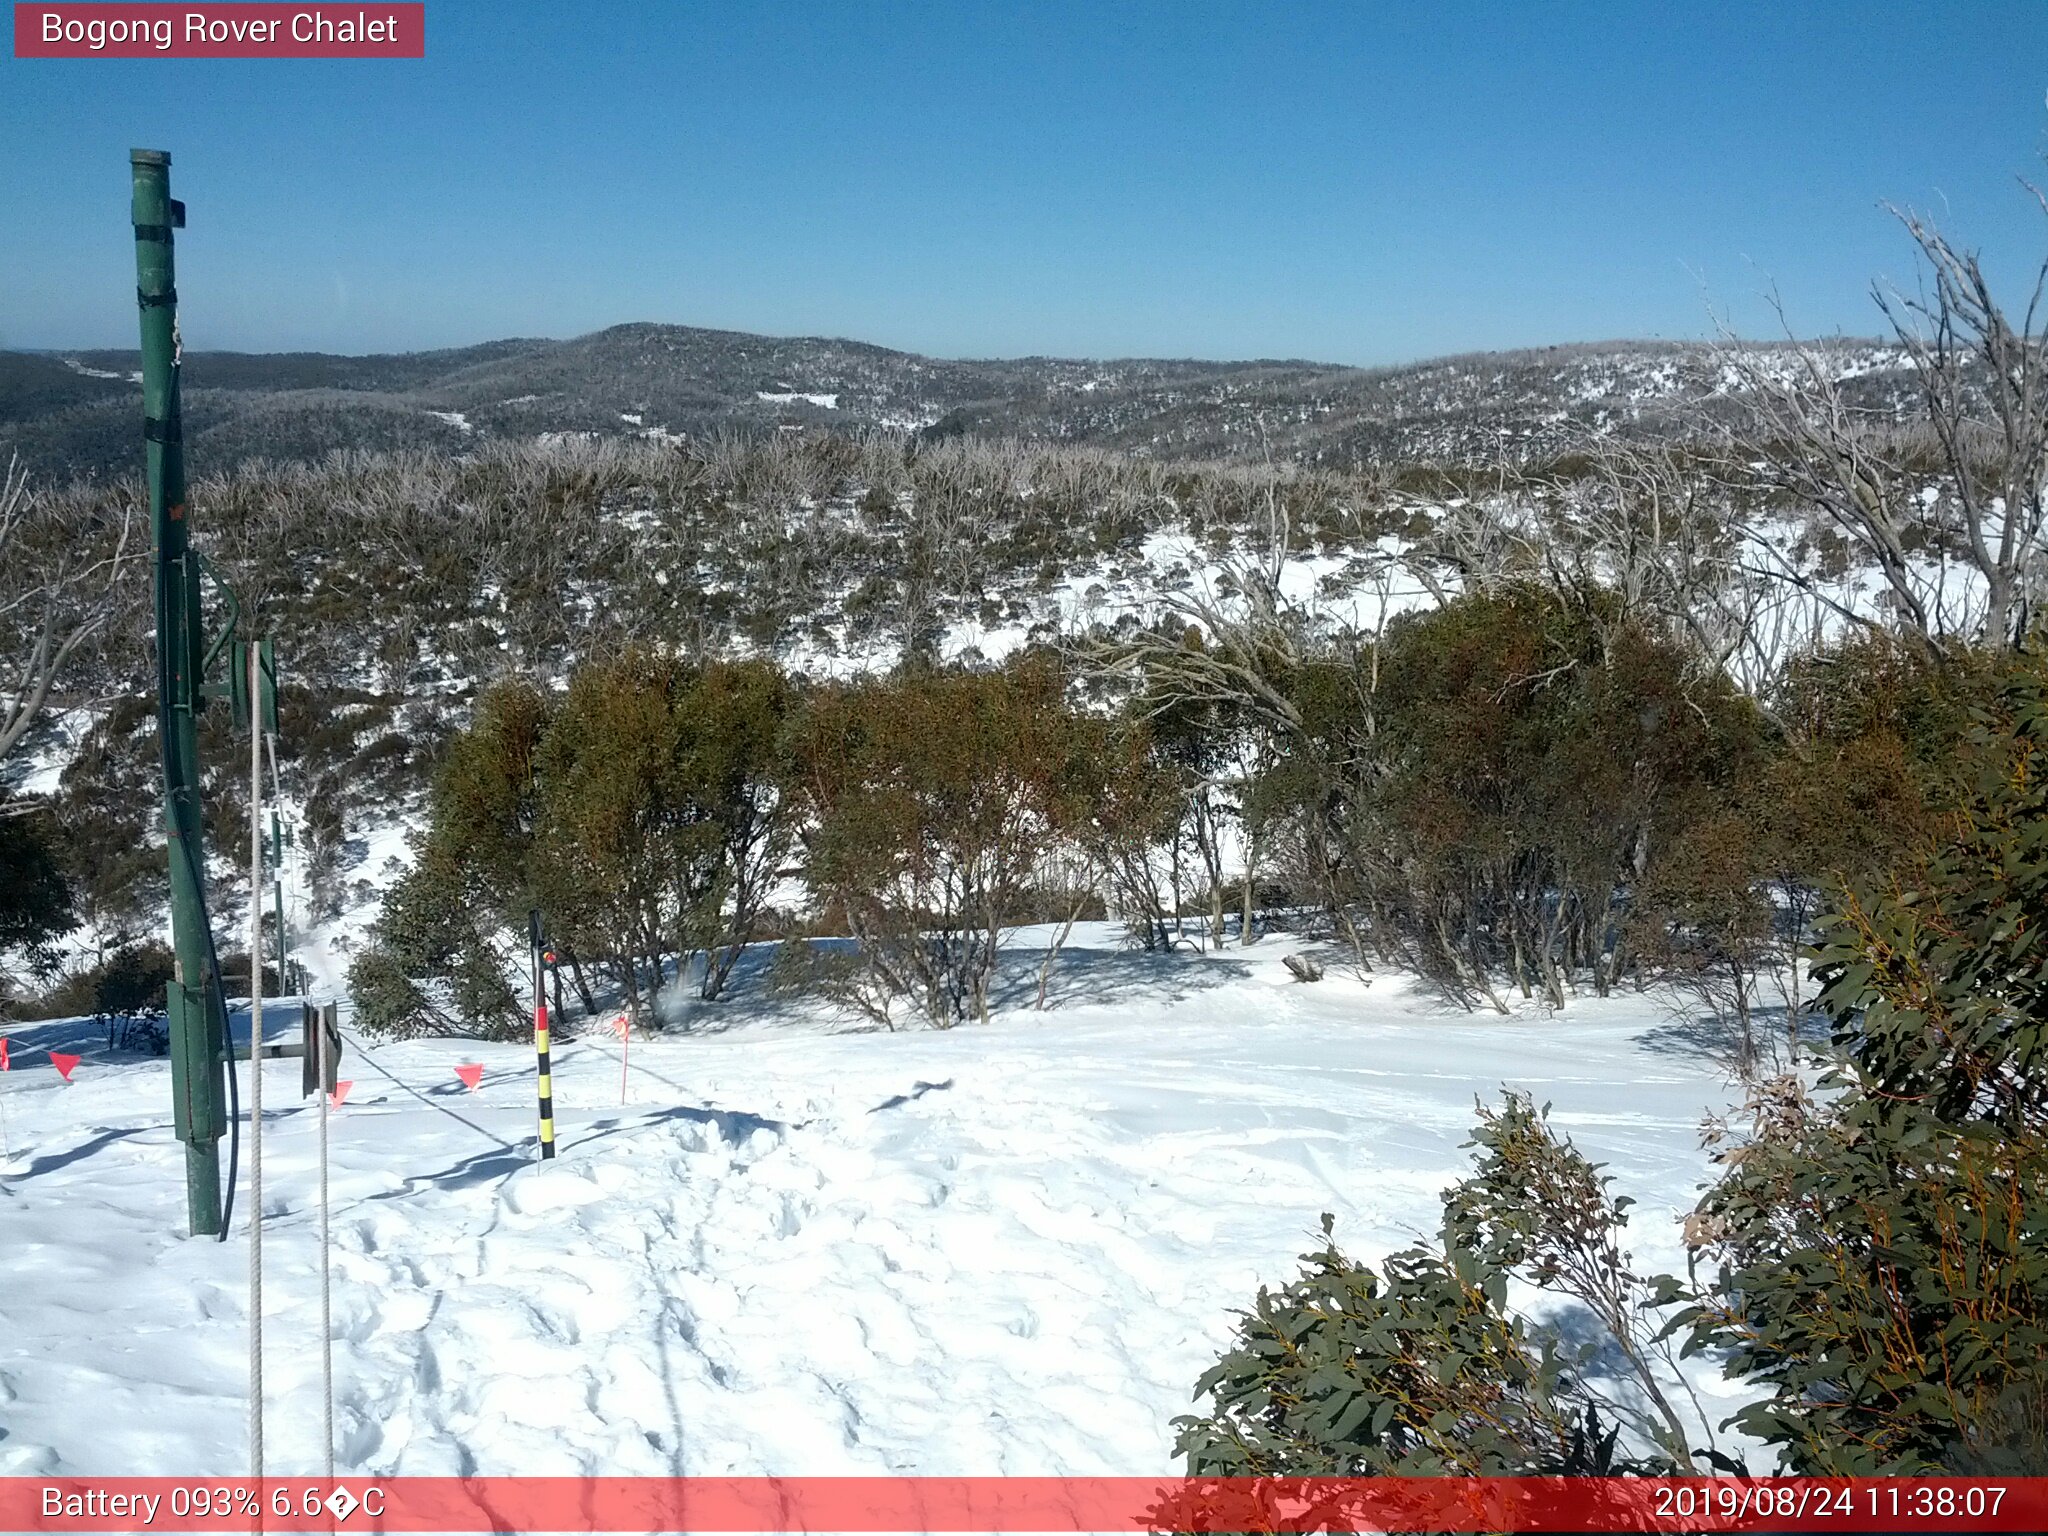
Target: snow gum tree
x,y
447,938
626,863
1488,786
935,800
662,815
1965,487
644,812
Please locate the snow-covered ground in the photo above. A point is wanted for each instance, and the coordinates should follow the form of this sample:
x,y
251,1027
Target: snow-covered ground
x,y
793,1249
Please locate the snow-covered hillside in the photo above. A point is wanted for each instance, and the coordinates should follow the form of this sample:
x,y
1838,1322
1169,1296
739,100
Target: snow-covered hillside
x,y
1000,1249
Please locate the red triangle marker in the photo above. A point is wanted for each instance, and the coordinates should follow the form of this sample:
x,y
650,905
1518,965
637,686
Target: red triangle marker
x,y
471,1073
64,1064
4,1067
341,1089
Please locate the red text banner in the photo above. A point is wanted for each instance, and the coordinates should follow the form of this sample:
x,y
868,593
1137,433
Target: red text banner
x,y
113,30
1040,1504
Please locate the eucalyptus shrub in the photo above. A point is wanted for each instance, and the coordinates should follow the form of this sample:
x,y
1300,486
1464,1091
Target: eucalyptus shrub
x,y
1872,1259
1416,1369
1881,1247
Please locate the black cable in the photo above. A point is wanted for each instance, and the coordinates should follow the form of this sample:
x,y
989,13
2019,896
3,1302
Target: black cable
x,y
227,1208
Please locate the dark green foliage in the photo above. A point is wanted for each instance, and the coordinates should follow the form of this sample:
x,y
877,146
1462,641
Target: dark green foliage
x,y
1414,1370
1871,739
440,956
936,800
133,979
1882,1250
441,949
659,819
738,770
1418,1369
1875,1255
1140,808
643,813
1484,787
35,899
109,811
1536,1206
130,980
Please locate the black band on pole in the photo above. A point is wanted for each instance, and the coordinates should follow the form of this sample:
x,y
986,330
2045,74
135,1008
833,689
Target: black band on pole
x,y
160,233
161,429
541,1042
156,300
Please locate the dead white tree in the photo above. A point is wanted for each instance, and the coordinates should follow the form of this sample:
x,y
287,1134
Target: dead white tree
x,y
60,587
1232,640
1983,382
1969,490
1657,530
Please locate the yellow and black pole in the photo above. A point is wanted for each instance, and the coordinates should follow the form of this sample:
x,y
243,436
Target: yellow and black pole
x,y
540,1042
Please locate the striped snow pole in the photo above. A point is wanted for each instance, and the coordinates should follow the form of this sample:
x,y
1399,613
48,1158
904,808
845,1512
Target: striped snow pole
x,y
540,1043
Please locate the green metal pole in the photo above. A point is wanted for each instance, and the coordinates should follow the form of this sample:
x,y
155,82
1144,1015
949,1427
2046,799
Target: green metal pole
x,y
197,1011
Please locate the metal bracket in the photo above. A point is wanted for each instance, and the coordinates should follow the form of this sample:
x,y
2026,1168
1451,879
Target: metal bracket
x,y
323,1026
227,634
264,706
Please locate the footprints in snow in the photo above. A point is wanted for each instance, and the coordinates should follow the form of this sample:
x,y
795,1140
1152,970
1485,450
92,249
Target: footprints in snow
x,y
570,1288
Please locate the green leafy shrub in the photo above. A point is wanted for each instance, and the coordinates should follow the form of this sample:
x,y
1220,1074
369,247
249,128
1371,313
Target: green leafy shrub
x,y
1880,1250
1538,1207
1483,791
130,980
35,898
644,813
1414,1370
1419,1369
935,801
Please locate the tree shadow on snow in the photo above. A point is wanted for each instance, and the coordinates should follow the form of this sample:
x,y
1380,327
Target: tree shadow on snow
x,y
497,1163
50,1162
1080,977
29,1041
1714,1037
749,997
1106,977
917,1091
734,1126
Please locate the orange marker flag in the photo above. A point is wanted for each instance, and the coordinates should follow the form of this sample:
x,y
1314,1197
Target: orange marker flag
x,y
623,1028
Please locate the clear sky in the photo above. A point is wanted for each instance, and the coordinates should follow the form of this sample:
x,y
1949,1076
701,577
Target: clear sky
x,y
1355,182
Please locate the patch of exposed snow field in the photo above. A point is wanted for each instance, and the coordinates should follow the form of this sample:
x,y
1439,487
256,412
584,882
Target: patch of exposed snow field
x,y
793,1248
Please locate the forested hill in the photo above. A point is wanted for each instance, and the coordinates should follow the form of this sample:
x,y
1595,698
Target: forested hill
x,y
76,414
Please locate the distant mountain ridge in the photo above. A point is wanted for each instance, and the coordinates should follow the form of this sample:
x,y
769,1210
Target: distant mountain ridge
x,y
76,413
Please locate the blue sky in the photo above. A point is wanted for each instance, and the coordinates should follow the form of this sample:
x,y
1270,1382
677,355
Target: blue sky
x,y
1360,183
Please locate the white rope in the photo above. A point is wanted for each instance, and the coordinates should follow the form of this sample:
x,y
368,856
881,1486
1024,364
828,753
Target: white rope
x,y
255,1065
321,1072
326,1257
